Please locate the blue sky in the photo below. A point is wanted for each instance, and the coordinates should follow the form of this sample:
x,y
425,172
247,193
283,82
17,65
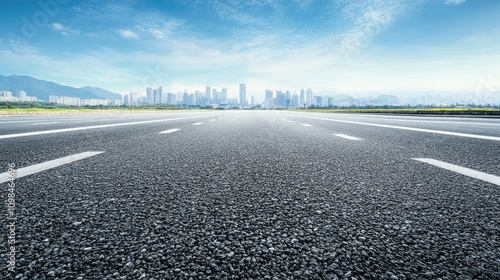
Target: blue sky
x,y
351,46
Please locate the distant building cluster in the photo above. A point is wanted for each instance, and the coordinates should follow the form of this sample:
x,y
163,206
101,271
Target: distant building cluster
x,y
77,101
211,97
286,99
20,96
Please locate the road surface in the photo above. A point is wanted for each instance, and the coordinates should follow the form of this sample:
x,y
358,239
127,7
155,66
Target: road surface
x,y
251,194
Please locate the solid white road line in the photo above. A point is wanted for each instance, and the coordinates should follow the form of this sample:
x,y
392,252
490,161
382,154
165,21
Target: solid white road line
x,y
25,171
44,123
170,130
7,122
458,122
212,120
305,124
197,123
485,137
89,127
348,137
462,170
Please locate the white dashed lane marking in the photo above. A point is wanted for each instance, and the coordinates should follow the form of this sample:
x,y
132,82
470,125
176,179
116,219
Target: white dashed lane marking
x,y
442,132
170,130
348,137
44,123
25,171
89,127
462,170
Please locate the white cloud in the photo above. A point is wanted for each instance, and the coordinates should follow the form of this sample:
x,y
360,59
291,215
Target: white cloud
x,y
128,34
64,30
158,27
57,26
366,20
264,55
454,2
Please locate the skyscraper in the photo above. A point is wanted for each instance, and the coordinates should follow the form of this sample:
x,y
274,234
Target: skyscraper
x,y
171,98
243,94
269,93
224,96
295,100
185,98
155,96
198,98
126,99
192,99
22,95
309,100
215,96
149,95
208,92
280,98
161,97
319,101
133,97
302,97
288,99
330,101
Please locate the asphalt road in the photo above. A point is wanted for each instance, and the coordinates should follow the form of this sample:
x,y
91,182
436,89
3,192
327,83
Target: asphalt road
x,y
251,195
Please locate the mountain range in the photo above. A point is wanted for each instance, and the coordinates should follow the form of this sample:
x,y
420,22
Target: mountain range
x,y
43,89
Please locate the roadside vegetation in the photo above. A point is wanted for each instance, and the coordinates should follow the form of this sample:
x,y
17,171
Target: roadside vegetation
x,y
39,108
452,110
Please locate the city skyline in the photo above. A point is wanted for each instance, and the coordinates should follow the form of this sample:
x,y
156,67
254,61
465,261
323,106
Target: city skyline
x,y
348,46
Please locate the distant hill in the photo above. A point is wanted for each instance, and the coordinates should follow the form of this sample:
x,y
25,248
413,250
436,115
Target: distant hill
x,y
43,89
102,93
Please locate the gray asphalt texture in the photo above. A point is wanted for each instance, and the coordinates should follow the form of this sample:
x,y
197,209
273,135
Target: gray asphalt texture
x,y
253,195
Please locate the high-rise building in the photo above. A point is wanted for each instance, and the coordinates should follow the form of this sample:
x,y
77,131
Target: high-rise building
x,y
6,94
161,97
319,101
224,96
171,98
149,95
198,98
269,93
330,101
133,97
208,92
253,100
22,95
302,100
288,99
185,98
243,94
309,100
192,99
215,96
280,98
269,103
126,99
155,96
295,100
